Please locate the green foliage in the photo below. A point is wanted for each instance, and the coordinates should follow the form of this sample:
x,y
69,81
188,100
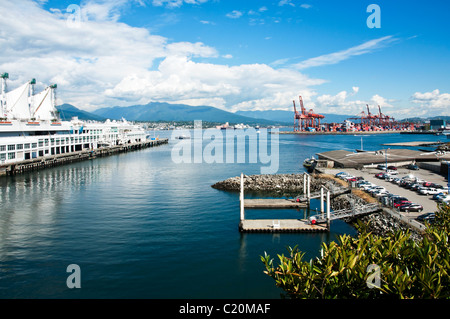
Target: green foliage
x,y
407,269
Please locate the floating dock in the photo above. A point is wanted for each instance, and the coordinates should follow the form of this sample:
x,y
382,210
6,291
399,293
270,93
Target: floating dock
x,y
279,226
414,144
72,157
273,203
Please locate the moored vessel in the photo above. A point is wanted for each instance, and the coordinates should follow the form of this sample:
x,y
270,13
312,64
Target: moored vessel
x,y
31,127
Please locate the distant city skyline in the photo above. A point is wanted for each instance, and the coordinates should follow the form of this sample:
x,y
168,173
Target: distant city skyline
x,y
234,55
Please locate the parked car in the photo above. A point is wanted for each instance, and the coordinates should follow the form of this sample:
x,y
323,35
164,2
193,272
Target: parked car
x,y
380,194
367,186
411,208
400,203
444,199
355,179
379,175
438,195
429,191
341,173
413,167
392,172
389,178
376,189
427,217
393,168
382,167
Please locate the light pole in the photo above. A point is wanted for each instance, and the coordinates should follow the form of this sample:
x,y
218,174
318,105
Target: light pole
x,y
385,156
448,176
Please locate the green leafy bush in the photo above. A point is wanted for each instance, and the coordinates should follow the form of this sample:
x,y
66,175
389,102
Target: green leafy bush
x,y
370,266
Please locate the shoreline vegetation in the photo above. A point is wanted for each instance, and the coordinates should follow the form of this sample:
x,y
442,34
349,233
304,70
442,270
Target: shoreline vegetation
x,y
385,260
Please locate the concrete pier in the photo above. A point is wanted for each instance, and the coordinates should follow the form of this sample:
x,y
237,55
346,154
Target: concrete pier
x,y
67,158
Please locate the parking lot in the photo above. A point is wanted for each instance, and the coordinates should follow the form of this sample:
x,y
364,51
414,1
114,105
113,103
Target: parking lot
x,y
428,203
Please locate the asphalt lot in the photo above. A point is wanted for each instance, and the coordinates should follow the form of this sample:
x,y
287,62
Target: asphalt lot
x,y
429,205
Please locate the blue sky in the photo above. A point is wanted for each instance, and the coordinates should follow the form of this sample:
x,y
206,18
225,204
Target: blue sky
x,y
235,55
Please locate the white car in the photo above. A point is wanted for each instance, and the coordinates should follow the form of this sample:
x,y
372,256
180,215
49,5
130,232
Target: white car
x,y
423,190
445,199
376,189
433,191
366,186
381,193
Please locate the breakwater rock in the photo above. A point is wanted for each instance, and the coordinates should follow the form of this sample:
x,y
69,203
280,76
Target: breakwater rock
x,y
279,184
382,224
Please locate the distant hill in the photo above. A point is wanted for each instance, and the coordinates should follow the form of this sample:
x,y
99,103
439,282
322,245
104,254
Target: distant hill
x,y
288,116
67,111
422,120
157,111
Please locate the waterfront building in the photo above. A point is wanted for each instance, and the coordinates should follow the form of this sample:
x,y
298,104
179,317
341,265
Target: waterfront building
x,y
31,127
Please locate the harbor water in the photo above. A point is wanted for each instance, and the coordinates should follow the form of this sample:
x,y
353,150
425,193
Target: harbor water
x,y
141,225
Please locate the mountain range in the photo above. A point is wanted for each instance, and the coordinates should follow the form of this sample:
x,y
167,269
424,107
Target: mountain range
x,y
156,111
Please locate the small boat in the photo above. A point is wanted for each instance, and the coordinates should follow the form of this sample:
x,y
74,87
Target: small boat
x,y
182,137
309,161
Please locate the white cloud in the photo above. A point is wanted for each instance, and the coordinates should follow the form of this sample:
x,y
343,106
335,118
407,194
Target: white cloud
x,y
286,2
190,49
176,3
305,6
235,14
179,79
343,104
103,62
434,102
339,56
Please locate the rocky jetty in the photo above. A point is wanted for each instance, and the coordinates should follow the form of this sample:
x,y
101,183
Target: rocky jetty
x,y
280,184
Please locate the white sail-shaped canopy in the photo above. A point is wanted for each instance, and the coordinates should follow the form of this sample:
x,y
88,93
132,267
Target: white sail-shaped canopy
x,y
17,102
43,108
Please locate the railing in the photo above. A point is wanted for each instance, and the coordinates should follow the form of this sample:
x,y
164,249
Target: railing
x,y
336,192
344,213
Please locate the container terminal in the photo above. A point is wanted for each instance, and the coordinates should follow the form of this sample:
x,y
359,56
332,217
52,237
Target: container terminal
x,y
310,122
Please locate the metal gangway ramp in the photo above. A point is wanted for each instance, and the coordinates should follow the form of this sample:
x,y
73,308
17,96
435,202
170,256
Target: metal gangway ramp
x,y
345,213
